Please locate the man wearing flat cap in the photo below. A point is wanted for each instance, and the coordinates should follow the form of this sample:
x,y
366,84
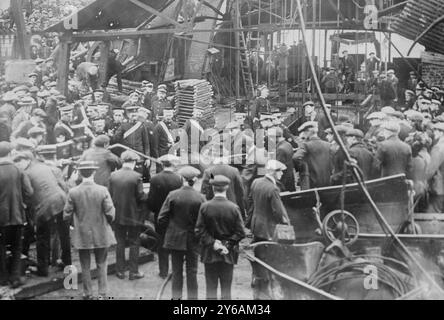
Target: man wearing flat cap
x,y
316,154
106,161
8,105
126,189
265,205
358,151
164,137
219,229
48,202
178,216
235,192
37,120
12,215
37,135
90,209
160,186
413,81
23,114
394,156
435,171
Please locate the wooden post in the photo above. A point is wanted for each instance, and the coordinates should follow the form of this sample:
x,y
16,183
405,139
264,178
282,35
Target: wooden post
x,y
24,50
237,18
283,73
63,67
103,63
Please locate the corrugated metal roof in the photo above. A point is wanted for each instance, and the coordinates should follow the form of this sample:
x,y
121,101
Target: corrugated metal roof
x,y
113,14
416,17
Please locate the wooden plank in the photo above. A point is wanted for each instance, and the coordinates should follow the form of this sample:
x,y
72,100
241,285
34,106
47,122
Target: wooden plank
x,y
103,63
63,67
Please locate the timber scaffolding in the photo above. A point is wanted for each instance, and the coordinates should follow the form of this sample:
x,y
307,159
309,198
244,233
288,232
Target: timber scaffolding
x,y
225,41
222,41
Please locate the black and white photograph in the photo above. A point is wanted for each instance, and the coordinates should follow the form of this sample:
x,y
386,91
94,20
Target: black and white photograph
x,y
236,152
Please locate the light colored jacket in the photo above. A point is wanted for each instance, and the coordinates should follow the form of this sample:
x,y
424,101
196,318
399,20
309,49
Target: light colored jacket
x,y
89,205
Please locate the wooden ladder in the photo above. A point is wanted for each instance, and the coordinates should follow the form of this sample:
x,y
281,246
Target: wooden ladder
x,y
245,66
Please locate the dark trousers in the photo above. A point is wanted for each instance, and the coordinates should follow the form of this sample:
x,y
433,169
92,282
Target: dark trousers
x,y
43,236
162,254
12,236
101,255
177,260
130,234
215,272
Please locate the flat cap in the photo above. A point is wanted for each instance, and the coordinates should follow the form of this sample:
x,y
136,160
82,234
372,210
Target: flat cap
x,y
66,108
5,149
129,156
164,90
410,92
101,140
391,71
26,101
144,110
415,116
169,158
355,133
39,113
160,86
21,88
261,87
22,143
434,101
188,172
87,165
9,96
388,111
132,107
32,74
33,89
25,155
328,131
34,131
342,129
438,126
233,125
376,115
220,181
308,125
391,126
39,61
439,119
275,165
308,103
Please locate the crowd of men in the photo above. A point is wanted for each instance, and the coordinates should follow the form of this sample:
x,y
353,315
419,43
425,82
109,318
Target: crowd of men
x,y
59,169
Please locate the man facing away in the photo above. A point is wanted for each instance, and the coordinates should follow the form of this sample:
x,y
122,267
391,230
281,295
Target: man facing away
x,y
220,229
178,216
91,209
126,189
160,186
266,205
12,215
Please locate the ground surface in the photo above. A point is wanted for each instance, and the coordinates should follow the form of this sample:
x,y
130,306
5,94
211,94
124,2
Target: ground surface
x,y
148,287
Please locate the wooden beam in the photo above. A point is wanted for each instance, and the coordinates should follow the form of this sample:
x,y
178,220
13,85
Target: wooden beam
x,y
24,49
155,12
63,67
119,35
103,63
